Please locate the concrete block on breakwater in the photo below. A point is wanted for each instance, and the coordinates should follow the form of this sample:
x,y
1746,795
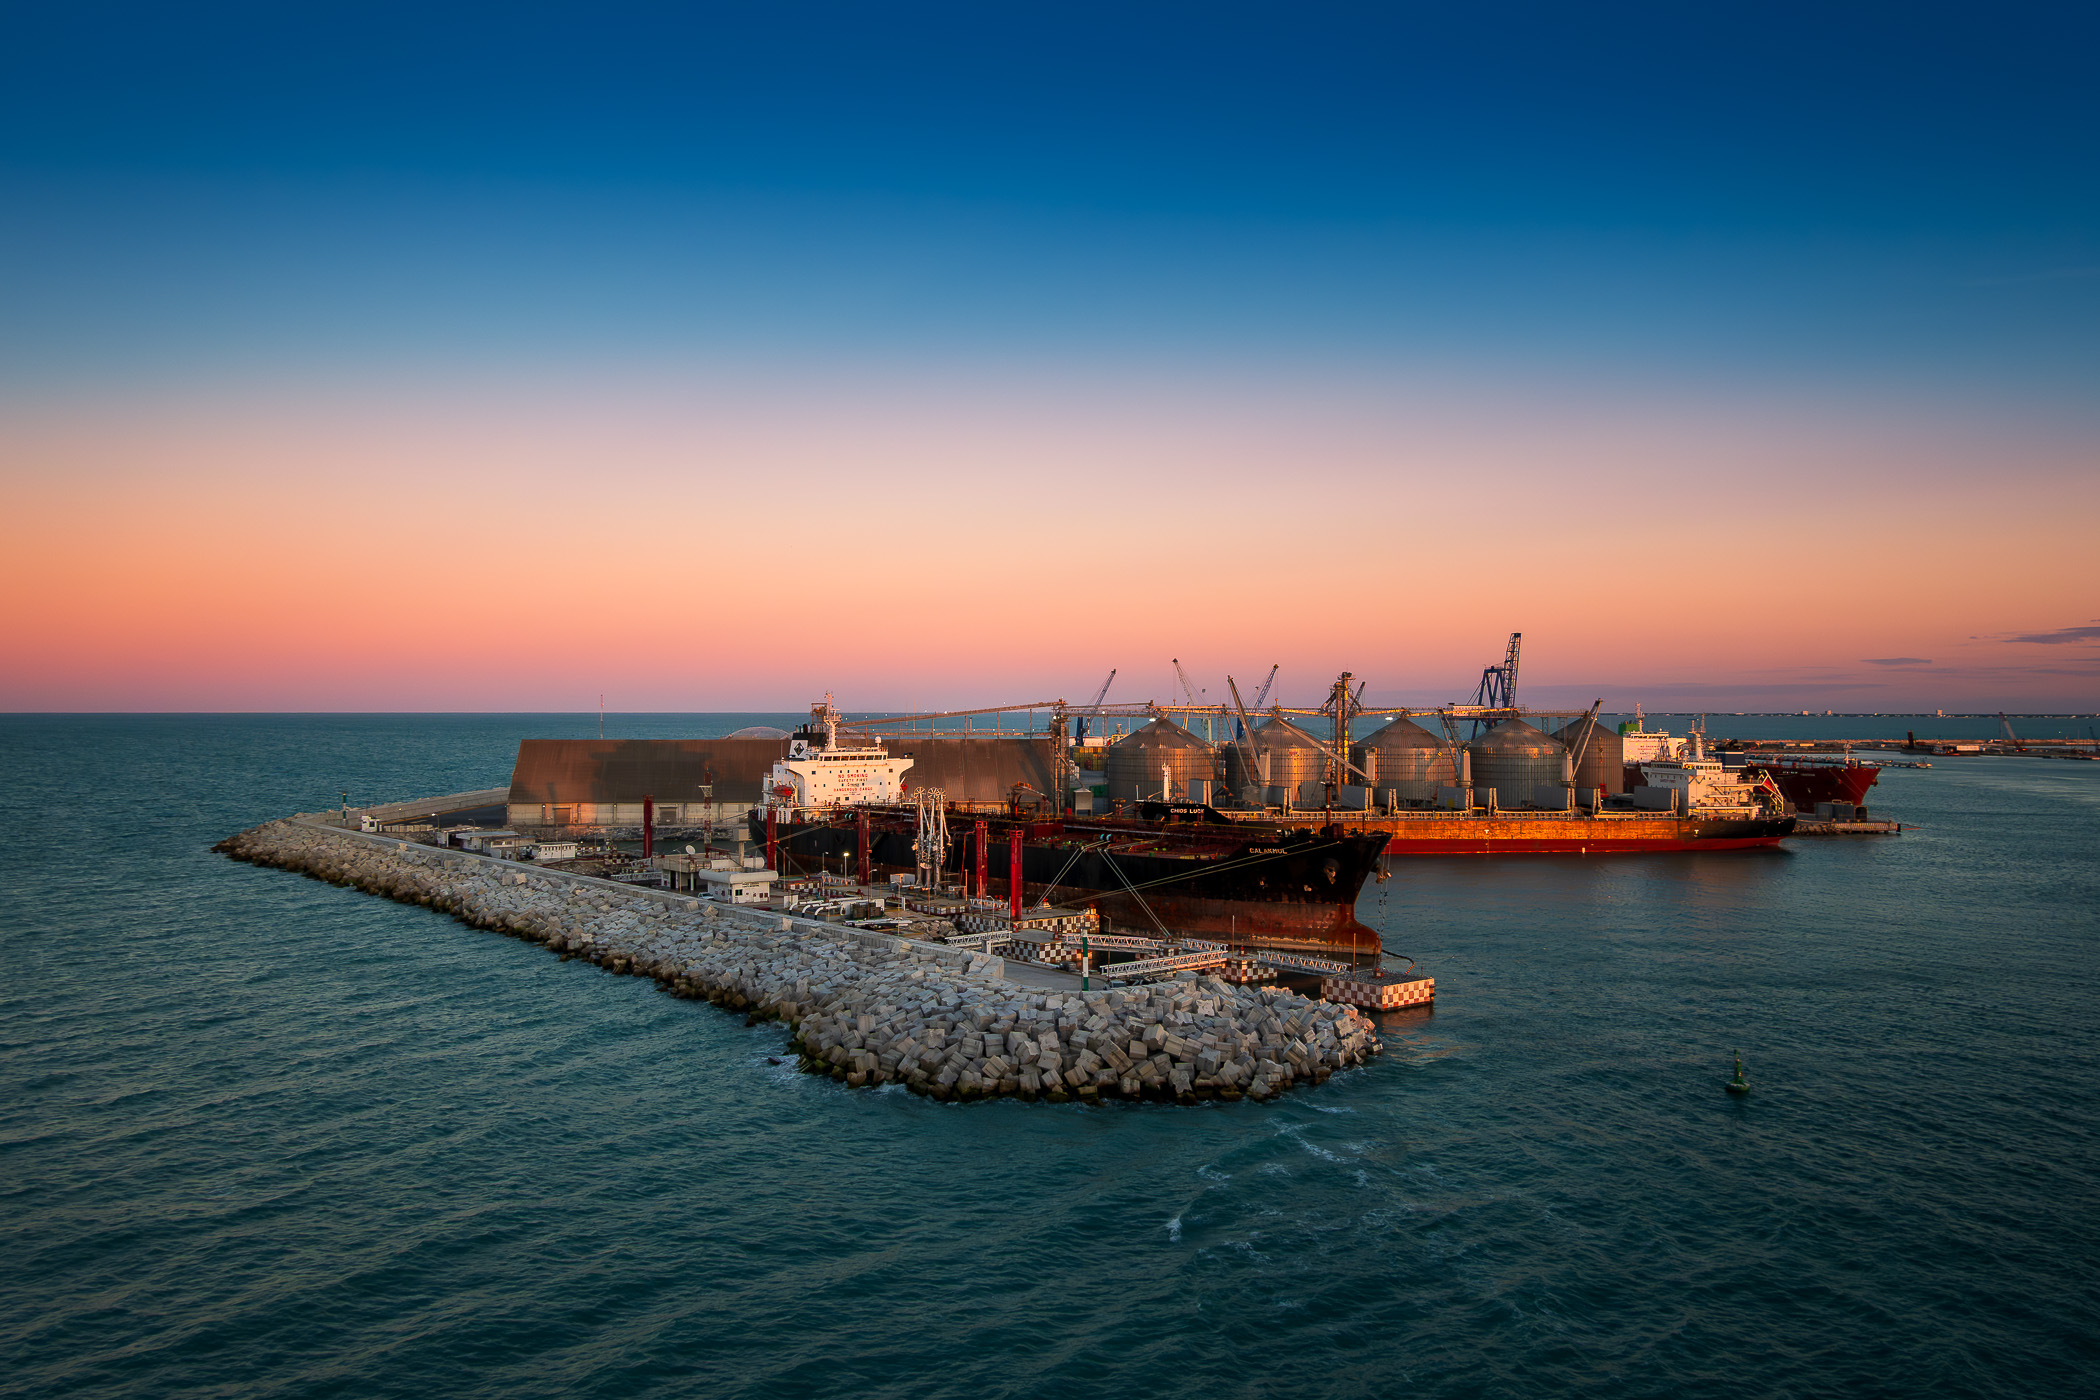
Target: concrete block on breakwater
x,y
865,1008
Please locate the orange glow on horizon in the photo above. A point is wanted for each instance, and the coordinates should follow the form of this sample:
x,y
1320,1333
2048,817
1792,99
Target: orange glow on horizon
x,y
915,543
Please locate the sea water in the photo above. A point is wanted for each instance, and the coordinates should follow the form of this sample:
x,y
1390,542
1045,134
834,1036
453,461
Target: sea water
x,y
267,1137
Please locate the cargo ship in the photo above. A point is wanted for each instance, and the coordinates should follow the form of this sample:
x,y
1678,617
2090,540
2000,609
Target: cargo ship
x,y
1687,802
1246,884
1802,781
1806,782
1168,867
1576,833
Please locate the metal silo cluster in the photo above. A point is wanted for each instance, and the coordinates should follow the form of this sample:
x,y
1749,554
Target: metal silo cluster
x,y
1289,755
1602,761
1406,763
1160,758
1513,760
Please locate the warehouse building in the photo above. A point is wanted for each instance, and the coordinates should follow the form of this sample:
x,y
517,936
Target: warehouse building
x,y
596,784
581,786
974,770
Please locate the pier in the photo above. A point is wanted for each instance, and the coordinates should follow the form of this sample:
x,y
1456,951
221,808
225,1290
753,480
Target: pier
x,y
863,1006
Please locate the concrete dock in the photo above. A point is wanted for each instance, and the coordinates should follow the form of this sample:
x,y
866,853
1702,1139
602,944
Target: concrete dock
x,y
865,1007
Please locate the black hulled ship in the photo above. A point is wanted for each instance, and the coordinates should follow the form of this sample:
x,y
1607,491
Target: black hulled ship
x,y
1248,884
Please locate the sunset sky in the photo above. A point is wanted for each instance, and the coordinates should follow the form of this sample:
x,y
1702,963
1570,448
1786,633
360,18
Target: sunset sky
x,y
711,357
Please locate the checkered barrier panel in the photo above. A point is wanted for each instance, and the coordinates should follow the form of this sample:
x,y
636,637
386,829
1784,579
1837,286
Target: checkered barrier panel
x,y
1379,996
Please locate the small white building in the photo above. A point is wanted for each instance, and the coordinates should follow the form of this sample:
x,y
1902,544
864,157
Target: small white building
x,y
554,850
738,886
488,842
719,877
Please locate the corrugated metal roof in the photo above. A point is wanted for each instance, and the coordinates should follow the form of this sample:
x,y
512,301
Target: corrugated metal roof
x,y
1515,737
1161,734
1401,733
627,770
1280,734
976,769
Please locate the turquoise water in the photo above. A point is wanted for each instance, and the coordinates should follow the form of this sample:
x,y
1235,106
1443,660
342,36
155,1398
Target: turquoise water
x,y
264,1136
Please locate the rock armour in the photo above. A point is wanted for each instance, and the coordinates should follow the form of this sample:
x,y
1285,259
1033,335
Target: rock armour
x,y
865,1009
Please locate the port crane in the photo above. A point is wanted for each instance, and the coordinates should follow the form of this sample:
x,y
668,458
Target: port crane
x,y
1261,698
1188,689
1255,767
1099,696
1498,684
1342,703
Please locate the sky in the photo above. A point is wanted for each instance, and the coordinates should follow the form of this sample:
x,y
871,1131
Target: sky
x,y
711,357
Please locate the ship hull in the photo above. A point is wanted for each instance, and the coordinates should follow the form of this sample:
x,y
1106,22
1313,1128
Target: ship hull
x,y
1575,834
1244,887
1806,784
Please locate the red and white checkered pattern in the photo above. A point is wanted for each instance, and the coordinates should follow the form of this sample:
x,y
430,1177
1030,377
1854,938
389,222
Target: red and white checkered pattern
x,y
1381,995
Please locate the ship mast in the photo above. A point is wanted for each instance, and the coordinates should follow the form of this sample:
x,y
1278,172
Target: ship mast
x,y
830,715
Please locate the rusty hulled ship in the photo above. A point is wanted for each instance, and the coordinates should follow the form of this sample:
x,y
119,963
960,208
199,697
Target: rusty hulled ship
x,y
1247,884
1576,833
1808,782
1183,868
1523,795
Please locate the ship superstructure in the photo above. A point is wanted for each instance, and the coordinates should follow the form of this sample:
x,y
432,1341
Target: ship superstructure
x,y
1696,785
1640,744
819,773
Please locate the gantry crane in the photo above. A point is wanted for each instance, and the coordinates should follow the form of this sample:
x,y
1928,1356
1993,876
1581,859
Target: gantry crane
x,y
1498,684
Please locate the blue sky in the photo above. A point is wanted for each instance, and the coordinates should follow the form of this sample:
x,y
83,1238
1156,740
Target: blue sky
x,y
1902,194
1798,259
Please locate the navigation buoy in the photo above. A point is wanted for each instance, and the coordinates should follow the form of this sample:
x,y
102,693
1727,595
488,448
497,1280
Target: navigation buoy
x,y
1738,1085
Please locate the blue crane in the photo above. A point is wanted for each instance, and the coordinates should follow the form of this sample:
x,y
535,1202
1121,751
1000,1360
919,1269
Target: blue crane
x,y
1498,684
1098,698
1261,698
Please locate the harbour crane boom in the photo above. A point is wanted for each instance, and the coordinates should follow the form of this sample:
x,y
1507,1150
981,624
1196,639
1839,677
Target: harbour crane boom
x,y
1186,688
1261,697
1255,768
1099,696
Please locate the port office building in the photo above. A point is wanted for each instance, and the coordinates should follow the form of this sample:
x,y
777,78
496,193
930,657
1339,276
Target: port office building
x,y
595,785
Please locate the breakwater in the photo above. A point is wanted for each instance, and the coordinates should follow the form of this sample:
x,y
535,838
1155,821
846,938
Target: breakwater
x,y
864,1007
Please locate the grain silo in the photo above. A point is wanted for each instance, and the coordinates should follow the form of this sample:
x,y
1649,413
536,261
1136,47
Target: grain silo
x,y
1405,761
1512,759
1602,756
1161,757
1289,754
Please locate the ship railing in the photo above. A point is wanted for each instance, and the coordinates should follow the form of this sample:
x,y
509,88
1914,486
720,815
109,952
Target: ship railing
x,y
1306,962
